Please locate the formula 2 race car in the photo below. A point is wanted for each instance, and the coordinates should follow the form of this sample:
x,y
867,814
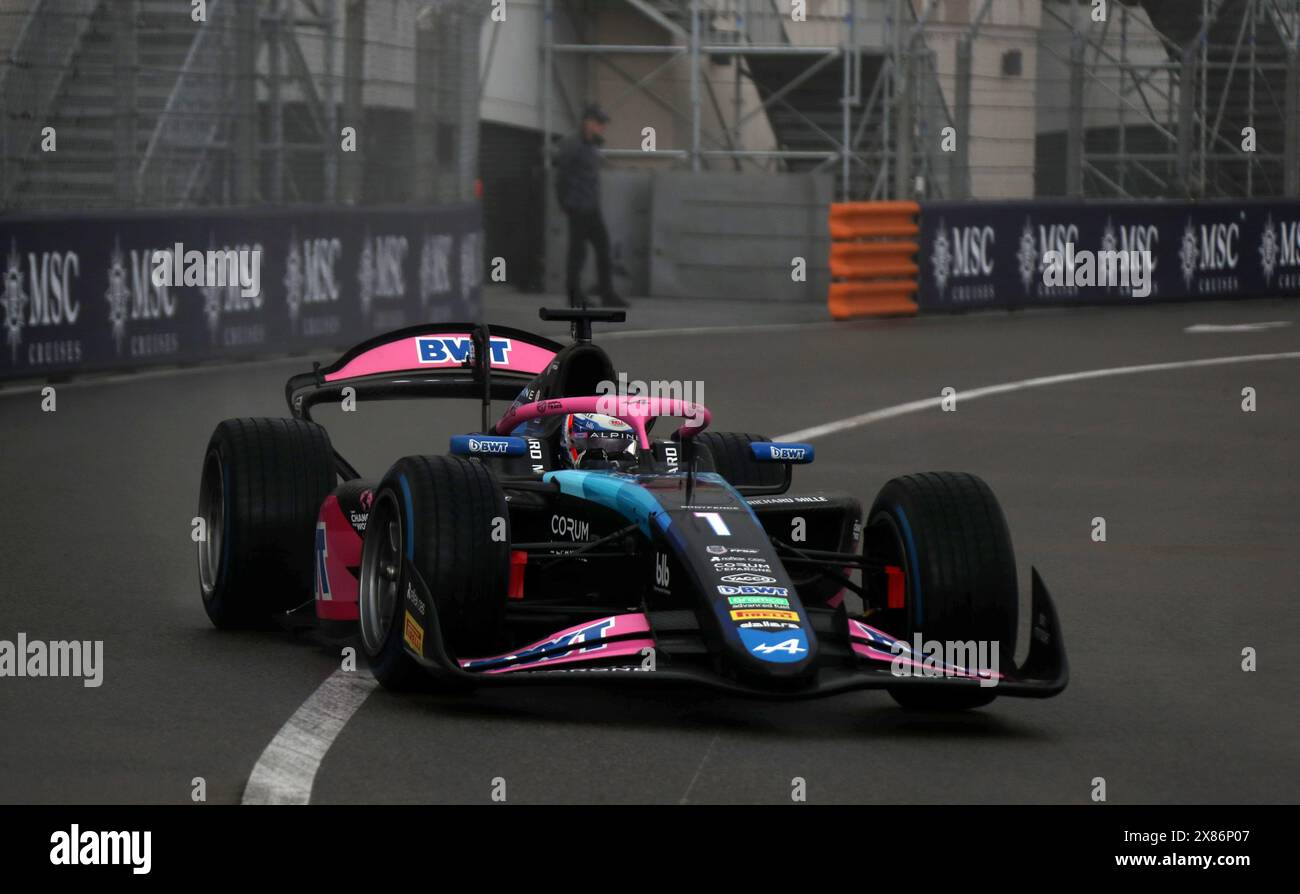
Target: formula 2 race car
x,y
563,542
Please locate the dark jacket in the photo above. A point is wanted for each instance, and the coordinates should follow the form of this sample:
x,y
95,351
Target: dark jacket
x,y
577,175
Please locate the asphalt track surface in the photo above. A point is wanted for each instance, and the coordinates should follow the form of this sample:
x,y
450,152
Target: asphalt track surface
x,y
1201,500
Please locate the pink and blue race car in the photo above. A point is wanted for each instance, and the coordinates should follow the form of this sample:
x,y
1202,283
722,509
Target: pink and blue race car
x,y
566,542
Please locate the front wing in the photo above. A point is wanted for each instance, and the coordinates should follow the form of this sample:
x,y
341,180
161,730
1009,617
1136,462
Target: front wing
x,y
657,647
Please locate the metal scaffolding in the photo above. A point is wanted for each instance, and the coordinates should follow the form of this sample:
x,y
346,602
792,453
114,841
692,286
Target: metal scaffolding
x,y
1152,99
826,113
152,107
1215,116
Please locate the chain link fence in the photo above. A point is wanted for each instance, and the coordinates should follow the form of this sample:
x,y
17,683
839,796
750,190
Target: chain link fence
x,y
156,103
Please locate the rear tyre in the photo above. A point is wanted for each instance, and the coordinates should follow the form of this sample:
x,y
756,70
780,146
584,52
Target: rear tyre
x,y
947,531
440,513
733,460
262,486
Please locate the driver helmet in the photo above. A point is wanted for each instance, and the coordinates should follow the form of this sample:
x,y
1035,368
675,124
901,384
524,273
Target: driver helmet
x,y
585,432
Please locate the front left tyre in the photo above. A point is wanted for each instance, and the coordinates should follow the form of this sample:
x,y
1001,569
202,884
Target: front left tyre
x,y
262,486
447,516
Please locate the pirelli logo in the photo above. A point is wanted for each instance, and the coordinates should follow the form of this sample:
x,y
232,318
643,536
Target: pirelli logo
x,y
763,614
413,634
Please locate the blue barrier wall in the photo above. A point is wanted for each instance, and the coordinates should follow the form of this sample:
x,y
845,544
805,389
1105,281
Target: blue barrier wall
x,y
990,254
80,294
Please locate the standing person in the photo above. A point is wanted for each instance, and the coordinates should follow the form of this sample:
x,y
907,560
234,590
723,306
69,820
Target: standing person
x,y
577,185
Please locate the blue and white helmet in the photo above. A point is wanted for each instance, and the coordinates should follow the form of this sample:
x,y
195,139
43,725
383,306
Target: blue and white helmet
x,y
596,431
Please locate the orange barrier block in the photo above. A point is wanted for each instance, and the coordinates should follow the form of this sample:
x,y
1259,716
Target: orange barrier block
x,y
872,269
873,259
864,260
886,298
874,220
846,211
881,228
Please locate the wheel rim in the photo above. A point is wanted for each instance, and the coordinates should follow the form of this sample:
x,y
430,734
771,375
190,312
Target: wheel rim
x,y
212,510
381,565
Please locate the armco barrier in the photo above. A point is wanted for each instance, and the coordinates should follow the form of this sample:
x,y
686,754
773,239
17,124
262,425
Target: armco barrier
x,y
873,267
79,291
990,254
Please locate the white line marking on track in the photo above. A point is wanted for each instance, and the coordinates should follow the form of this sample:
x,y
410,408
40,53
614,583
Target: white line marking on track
x,y
830,428
686,795
1203,328
286,771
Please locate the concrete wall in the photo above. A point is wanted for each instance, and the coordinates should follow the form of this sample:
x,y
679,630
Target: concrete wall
x,y
627,200
676,234
736,236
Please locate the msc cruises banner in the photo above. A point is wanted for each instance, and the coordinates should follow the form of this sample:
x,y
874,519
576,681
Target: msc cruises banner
x,y
91,292
995,254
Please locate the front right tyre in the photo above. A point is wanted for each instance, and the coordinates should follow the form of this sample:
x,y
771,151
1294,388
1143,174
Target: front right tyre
x,y
947,532
732,459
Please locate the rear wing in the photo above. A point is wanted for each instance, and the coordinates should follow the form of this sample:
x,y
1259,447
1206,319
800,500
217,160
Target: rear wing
x,y
445,360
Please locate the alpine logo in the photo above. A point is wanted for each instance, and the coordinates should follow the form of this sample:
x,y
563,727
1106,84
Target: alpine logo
x,y
781,646
790,646
749,579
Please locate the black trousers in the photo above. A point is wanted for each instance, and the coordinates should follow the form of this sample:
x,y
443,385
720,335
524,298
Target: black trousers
x,y
584,227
